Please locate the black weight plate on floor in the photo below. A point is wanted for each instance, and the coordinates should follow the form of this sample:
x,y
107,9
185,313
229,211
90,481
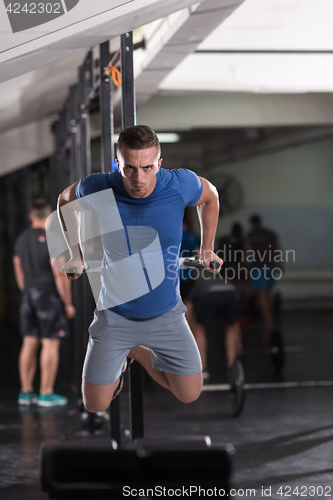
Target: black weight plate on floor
x,y
236,377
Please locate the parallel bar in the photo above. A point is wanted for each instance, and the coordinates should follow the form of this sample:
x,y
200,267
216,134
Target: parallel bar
x,y
128,86
74,131
42,168
11,287
84,126
27,189
106,110
74,175
90,67
115,420
53,181
78,336
136,401
128,119
269,385
62,181
10,205
61,156
85,160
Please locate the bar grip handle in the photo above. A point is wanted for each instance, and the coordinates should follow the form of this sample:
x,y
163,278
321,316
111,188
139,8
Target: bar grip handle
x,y
199,264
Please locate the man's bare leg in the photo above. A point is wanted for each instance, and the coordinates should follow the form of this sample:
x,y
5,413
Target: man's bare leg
x,y
233,343
266,306
49,362
28,362
199,333
143,356
97,397
186,388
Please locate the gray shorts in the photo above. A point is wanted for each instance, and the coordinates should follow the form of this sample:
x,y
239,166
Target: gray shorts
x,y
111,336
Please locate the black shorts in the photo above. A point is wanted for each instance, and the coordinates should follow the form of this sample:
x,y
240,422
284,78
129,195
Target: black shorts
x,y
42,315
185,288
224,305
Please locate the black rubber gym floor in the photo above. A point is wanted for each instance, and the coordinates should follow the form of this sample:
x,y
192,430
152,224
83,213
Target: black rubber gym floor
x,y
283,440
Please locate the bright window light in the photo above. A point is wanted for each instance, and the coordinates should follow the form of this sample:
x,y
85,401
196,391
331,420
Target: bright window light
x,y
252,73
163,137
170,137
271,25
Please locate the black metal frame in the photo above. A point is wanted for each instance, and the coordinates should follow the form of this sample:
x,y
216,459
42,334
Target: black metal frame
x,y
129,119
106,109
73,127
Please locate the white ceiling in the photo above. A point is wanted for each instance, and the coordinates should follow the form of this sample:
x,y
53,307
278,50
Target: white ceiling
x,y
276,24
288,25
170,65
41,93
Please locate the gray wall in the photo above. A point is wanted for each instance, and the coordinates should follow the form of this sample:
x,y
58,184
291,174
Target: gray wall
x,y
293,191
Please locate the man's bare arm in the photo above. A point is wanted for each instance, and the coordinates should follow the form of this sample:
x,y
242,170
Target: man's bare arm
x,y
208,213
19,273
69,216
64,288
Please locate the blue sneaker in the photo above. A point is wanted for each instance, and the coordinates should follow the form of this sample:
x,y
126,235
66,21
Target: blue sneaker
x,y
52,400
27,398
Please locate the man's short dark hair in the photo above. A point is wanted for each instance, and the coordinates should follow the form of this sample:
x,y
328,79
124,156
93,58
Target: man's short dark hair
x,y
255,220
40,209
138,137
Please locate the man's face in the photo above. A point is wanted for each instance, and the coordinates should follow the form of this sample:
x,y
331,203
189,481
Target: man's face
x,y
138,169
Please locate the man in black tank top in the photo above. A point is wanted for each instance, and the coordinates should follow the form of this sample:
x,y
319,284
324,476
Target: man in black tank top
x,y
46,303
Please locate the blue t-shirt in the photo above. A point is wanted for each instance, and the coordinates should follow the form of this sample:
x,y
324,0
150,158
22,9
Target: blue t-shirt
x,y
163,211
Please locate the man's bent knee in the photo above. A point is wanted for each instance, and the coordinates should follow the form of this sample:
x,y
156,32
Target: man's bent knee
x,y
97,397
93,406
188,397
186,388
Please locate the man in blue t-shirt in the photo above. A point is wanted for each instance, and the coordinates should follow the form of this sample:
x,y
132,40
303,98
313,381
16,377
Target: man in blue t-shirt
x,y
139,311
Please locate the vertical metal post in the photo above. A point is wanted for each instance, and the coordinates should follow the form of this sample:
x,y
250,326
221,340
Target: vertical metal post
x,y
128,87
74,175
73,127
53,181
84,124
85,157
42,167
27,189
10,233
89,64
85,160
106,110
58,164
58,182
61,160
128,119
